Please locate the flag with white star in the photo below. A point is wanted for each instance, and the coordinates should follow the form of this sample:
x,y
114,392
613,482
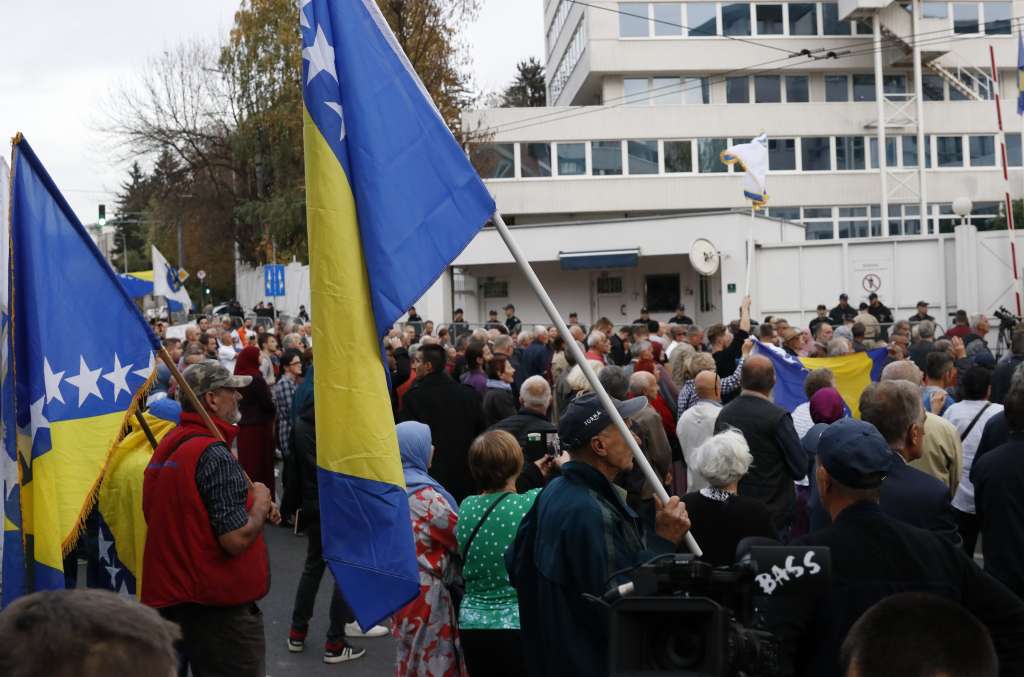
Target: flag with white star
x,y
82,357
391,200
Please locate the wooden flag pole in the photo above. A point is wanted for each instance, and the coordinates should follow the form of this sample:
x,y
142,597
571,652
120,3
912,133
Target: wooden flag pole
x,y
145,428
190,394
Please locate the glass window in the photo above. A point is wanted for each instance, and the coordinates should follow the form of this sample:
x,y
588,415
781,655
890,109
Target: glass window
x,y
817,212
955,94
736,18
702,18
814,154
633,20
910,151
606,158
535,159
997,18
983,151
849,152
965,17
818,230
668,18
769,19
950,151
781,154
863,87
696,90
642,156
494,160
767,89
678,157
836,88
786,213
634,91
667,92
803,19
894,85
708,152
1013,155
933,86
737,90
572,159
830,20
797,89
890,151
934,10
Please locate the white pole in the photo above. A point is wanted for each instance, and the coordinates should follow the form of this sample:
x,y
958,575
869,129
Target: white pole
x,y
880,106
750,250
581,360
921,150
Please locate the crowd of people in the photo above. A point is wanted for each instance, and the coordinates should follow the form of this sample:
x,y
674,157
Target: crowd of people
x,y
527,506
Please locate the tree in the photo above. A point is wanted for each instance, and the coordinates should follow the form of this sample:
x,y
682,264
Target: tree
x,y
999,222
129,221
528,89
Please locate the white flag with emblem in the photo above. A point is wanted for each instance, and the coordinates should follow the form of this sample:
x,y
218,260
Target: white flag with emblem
x,y
166,281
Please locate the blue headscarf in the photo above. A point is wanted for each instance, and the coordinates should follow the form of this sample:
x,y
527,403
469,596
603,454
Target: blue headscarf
x,y
414,443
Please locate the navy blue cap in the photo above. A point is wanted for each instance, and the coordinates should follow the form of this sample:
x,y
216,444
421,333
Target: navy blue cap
x,y
585,417
855,453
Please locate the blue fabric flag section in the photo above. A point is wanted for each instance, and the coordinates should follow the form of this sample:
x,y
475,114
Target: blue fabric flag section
x,y
1020,74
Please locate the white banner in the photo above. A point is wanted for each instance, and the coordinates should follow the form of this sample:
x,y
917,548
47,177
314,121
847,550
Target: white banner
x,y
166,281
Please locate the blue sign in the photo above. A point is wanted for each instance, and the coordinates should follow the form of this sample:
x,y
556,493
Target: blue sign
x,y
273,280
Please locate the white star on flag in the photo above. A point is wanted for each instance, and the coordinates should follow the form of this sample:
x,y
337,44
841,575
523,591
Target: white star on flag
x,y
303,21
87,381
119,377
113,571
105,546
37,419
336,107
8,473
52,382
320,55
146,371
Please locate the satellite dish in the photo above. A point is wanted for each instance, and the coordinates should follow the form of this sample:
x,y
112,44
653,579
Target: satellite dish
x,y
704,257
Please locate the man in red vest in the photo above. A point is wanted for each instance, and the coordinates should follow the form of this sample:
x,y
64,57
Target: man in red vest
x,y
205,559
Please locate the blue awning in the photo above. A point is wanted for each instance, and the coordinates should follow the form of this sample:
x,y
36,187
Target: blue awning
x,y
609,258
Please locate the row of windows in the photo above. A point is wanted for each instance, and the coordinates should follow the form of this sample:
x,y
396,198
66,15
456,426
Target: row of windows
x,y
828,223
711,19
643,157
674,91
571,57
557,23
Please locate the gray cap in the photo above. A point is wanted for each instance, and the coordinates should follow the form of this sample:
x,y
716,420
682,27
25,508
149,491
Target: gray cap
x,y
209,375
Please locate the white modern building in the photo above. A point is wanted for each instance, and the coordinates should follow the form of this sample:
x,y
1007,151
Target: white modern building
x,y
607,188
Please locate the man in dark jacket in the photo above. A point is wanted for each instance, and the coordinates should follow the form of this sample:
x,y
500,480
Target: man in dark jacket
x,y
532,418
578,533
726,346
874,556
842,312
536,359
778,457
1004,369
924,344
455,415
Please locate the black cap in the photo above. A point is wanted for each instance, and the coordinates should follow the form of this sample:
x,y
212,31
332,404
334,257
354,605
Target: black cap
x,y
458,310
855,453
586,417
862,306
872,296
843,297
643,310
922,303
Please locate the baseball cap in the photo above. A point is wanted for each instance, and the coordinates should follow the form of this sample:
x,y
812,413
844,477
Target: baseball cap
x,y
922,303
872,296
209,375
843,297
854,453
586,417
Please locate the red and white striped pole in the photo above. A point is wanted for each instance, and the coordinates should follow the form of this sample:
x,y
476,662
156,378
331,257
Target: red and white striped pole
x,y
1006,178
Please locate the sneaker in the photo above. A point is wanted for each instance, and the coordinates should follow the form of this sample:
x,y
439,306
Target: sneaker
x,y
296,640
341,652
353,630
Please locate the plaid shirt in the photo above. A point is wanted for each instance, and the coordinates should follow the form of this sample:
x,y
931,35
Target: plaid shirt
x,y
224,488
688,393
284,392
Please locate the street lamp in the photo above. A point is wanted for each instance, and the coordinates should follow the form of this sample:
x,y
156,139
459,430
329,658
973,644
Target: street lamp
x,y
962,207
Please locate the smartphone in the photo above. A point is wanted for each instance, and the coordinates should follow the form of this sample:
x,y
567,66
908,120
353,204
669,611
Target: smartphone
x,y
553,445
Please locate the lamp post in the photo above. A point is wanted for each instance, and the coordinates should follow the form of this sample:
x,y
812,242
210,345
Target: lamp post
x,y
962,207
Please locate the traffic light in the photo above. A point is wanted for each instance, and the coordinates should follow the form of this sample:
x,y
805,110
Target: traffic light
x,y
103,215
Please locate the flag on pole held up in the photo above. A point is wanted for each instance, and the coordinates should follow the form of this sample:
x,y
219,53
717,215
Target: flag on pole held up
x,y
753,159
391,200
74,395
168,281
1020,74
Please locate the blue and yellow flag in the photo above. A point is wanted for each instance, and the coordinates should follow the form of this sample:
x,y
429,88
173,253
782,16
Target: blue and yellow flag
x,y
391,200
1020,74
82,358
853,374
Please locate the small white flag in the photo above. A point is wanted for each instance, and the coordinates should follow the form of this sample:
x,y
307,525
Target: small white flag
x,y
167,281
753,158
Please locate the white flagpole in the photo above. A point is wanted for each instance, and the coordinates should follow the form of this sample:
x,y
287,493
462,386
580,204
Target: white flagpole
x,y
581,360
750,249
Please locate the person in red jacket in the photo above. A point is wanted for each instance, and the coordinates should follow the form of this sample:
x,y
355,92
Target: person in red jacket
x,y
205,559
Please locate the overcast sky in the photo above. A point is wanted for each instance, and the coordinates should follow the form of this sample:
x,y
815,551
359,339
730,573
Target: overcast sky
x,y
62,59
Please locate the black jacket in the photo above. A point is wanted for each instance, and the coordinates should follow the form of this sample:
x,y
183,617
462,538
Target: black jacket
x,y
1002,375
919,353
498,404
522,424
839,315
300,486
999,500
618,353
719,526
875,556
455,416
996,433
725,359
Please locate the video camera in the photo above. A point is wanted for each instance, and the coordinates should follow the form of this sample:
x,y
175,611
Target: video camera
x,y
1007,320
681,616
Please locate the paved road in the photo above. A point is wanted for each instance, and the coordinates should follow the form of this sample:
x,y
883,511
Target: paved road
x,y
287,555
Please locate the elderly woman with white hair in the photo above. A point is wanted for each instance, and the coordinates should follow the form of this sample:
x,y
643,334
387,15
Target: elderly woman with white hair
x,y
720,518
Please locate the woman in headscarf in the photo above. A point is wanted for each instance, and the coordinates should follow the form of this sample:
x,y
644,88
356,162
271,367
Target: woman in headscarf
x,y
256,427
427,628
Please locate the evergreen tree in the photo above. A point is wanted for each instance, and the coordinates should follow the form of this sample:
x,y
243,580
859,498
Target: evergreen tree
x,y
527,89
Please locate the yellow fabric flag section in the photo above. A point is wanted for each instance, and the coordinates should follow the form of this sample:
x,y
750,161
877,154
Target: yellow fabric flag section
x,y
853,375
120,498
355,429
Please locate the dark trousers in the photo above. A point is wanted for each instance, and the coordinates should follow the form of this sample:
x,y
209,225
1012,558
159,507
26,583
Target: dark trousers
x,y
967,525
220,641
498,653
309,583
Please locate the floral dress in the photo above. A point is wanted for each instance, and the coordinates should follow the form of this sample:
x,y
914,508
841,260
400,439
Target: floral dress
x,y
426,628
